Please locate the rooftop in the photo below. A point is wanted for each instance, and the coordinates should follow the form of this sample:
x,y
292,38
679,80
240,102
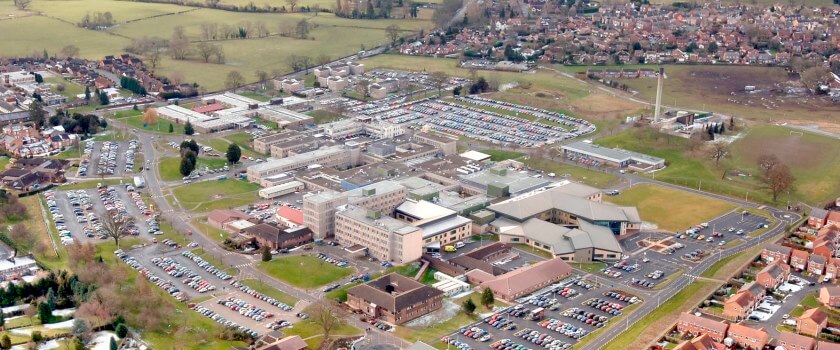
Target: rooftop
x,y
616,155
384,222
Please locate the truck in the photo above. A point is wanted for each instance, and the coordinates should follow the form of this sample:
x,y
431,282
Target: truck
x,y
139,182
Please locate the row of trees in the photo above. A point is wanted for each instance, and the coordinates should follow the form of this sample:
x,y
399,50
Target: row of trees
x,y
132,85
189,156
98,21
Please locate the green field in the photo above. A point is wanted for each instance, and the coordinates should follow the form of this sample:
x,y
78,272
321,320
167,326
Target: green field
x,y
135,120
498,155
312,332
170,167
670,209
304,271
431,334
208,195
815,180
323,116
71,89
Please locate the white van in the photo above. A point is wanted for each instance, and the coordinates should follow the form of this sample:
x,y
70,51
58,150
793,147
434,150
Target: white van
x,y
459,245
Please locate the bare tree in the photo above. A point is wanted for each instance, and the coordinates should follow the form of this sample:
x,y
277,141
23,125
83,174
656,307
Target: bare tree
x,y
116,226
153,58
262,29
209,30
323,59
262,77
779,179
22,4
234,80
292,4
213,3
206,50
718,151
363,88
70,51
767,162
328,318
176,78
21,235
179,44
393,32
438,80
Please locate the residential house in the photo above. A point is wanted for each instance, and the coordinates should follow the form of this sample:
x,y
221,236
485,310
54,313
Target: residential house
x,y
816,218
816,264
702,342
832,268
698,325
776,252
812,322
792,341
832,218
830,296
747,337
739,305
773,275
799,259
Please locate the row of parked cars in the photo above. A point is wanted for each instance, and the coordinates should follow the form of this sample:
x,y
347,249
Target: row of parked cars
x,y
507,344
115,207
577,125
331,260
206,265
108,158
621,296
541,339
245,308
163,283
85,163
475,333
64,234
250,291
175,269
224,321
609,307
565,328
129,156
586,317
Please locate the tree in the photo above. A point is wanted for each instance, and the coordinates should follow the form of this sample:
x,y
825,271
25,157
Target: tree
x,y
302,29
468,306
6,342
150,116
718,151
262,77
179,44
814,76
70,51
37,114
187,166
393,32
188,128
234,153
328,318
117,226
487,298
121,330
266,254
234,80
37,337
44,313
112,344
81,330
30,311
50,298
362,88
779,179
2,319
22,4
87,93
103,98
171,128
323,59
206,50
292,4
189,146
39,78
438,80
212,3
767,162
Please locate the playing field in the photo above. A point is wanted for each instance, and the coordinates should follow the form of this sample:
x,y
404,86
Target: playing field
x,y
670,209
208,195
170,167
304,271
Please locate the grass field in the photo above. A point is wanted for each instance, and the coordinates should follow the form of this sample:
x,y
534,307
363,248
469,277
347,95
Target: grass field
x,y
498,155
170,167
71,89
587,176
208,195
671,209
275,293
312,333
815,182
304,271
323,116
212,232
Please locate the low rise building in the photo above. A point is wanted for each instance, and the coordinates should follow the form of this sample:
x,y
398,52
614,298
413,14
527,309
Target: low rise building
x,y
526,280
775,252
698,325
337,155
812,322
792,341
394,298
773,275
747,337
830,296
220,217
385,238
276,237
616,157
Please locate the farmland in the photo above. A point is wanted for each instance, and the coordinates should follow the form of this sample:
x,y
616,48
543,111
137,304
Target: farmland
x,y
330,35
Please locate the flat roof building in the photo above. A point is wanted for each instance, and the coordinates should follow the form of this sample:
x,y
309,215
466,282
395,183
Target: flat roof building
x,y
502,182
612,156
337,155
385,238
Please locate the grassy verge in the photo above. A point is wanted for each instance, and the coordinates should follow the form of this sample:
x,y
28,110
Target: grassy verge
x,y
89,184
500,155
590,267
587,176
313,334
170,167
210,231
304,271
532,250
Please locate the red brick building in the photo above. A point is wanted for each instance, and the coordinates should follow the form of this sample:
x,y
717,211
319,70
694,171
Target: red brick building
x,y
812,322
775,252
698,325
748,338
791,341
773,275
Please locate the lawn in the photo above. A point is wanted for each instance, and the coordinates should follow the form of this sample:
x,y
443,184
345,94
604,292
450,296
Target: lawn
x,y
671,209
71,89
589,267
323,116
254,95
53,259
170,167
648,328
210,231
92,183
312,333
135,120
29,36
275,293
209,195
304,271
498,155
4,161
587,176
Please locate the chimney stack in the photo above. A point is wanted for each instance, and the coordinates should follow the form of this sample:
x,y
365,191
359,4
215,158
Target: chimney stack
x,y
659,80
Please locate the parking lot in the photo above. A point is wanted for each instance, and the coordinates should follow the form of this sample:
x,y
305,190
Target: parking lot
x,y
107,158
557,317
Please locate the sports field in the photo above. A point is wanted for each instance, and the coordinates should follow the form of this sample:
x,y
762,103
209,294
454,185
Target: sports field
x,y
670,209
208,195
170,166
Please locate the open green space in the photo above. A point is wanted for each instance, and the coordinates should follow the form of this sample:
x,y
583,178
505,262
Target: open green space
x,y
671,209
254,95
322,116
498,155
71,89
4,161
208,195
212,232
643,331
587,176
92,183
304,271
431,334
170,167
312,333
265,289
135,120
589,267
